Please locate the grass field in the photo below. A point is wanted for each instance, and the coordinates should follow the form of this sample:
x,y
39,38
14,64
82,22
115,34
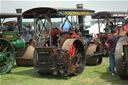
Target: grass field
x,y
92,75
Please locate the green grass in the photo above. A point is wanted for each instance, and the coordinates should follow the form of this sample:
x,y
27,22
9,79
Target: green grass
x,y
92,75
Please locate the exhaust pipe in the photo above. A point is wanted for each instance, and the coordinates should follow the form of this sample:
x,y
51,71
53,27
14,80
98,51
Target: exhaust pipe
x,y
80,18
0,21
19,19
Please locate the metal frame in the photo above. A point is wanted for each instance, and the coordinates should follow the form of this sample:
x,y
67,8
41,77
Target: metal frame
x,y
47,13
109,15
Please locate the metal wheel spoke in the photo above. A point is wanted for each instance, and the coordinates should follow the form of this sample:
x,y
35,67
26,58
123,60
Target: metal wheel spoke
x,y
6,57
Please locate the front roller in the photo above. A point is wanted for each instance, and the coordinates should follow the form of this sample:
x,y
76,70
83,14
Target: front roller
x,y
6,56
94,54
121,63
24,57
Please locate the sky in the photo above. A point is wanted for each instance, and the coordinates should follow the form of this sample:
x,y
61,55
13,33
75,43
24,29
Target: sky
x,y
97,5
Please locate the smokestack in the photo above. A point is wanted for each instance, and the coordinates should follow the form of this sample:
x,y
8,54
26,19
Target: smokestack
x,y
80,18
19,19
0,21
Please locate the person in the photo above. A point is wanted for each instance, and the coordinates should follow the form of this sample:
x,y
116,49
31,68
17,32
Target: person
x,y
54,33
110,25
111,44
66,26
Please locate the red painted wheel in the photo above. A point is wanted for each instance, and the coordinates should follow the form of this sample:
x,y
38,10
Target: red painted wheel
x,y
71,51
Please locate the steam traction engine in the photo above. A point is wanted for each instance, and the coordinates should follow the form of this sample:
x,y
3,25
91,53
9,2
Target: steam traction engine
x,y
13,44
65,52
116,19
110,20
121,53
9,41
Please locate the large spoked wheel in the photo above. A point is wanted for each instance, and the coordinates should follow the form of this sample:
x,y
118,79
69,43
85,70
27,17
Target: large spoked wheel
x,y
76,54
79,59
122,70
6,56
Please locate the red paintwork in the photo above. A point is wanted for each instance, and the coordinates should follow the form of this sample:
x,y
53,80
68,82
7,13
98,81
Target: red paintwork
x,y
73,35
124,28
125,44
40,10
71,51
54,31
103,38
9,36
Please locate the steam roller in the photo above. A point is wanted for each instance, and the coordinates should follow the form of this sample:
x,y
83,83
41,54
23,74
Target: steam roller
x,y
9,45
11,49
121,58
66,52
67,60
12,42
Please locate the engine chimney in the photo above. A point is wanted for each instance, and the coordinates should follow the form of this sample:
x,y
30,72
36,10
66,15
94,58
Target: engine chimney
x,y
80,18
19,19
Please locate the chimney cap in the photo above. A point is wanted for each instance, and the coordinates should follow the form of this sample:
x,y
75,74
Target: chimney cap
x,y
79,5
19,10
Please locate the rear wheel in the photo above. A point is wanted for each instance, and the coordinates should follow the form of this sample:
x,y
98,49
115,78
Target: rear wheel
x,y
122,70
81,64
6,56
78,56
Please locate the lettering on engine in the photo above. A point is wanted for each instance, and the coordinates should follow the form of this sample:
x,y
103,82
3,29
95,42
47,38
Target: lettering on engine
x,y
44,53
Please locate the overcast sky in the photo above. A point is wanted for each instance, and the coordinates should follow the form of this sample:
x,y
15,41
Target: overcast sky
x,y
97,5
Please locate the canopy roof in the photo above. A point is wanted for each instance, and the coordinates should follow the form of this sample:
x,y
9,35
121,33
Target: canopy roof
x,y
108,14
10,15
55,12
